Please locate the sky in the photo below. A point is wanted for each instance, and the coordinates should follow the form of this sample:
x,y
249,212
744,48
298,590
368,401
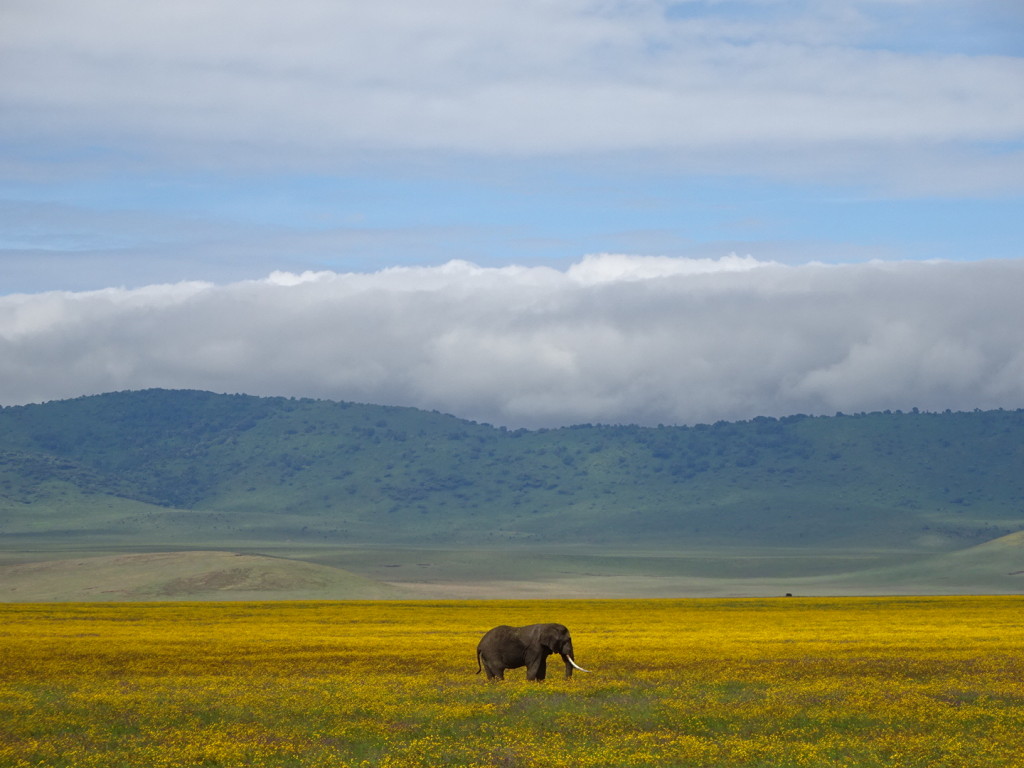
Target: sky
x,y
525,212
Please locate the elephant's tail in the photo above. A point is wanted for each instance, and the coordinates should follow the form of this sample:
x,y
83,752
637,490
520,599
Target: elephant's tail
x,y
479,666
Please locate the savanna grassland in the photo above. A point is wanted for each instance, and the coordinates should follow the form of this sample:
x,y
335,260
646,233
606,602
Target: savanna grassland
x,y
780,682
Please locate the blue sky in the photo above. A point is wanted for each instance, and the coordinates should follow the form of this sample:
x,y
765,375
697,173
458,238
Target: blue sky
x,y
148,144
169,229
223,140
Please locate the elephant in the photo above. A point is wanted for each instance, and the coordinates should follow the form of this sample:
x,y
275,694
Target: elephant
x,y
508,647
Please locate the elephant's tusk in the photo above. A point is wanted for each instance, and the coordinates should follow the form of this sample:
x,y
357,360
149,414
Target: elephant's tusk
x,y
581,669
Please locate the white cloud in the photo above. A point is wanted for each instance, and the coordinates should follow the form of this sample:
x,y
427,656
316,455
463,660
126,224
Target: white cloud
x,y
322,82
610,339
612,267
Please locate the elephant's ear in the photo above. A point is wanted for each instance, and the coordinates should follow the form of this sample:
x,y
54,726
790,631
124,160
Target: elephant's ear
x,y
553,637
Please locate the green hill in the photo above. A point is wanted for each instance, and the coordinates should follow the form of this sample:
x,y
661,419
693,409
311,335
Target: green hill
x,y
317,480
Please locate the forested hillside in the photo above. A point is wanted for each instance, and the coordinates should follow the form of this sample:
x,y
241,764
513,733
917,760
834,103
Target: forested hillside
x,y
158,466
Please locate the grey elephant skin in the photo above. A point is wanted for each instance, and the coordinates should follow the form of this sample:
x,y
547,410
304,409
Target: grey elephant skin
x,y
508,647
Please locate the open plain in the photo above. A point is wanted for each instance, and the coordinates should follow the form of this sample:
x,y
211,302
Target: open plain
x,y
894,682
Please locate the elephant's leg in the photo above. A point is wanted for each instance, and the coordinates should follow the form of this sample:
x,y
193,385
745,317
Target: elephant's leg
x,y
537,669
494,670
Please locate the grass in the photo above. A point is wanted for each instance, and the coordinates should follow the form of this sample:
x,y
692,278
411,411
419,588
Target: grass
x,y
747,683
294,571
198,575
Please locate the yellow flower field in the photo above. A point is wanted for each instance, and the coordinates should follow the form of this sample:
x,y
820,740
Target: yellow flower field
x,y
785,682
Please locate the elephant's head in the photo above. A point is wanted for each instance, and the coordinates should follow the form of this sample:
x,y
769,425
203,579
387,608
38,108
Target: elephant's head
x,y
556,639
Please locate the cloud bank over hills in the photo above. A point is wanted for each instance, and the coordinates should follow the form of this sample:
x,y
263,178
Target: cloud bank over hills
x,y
611,339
